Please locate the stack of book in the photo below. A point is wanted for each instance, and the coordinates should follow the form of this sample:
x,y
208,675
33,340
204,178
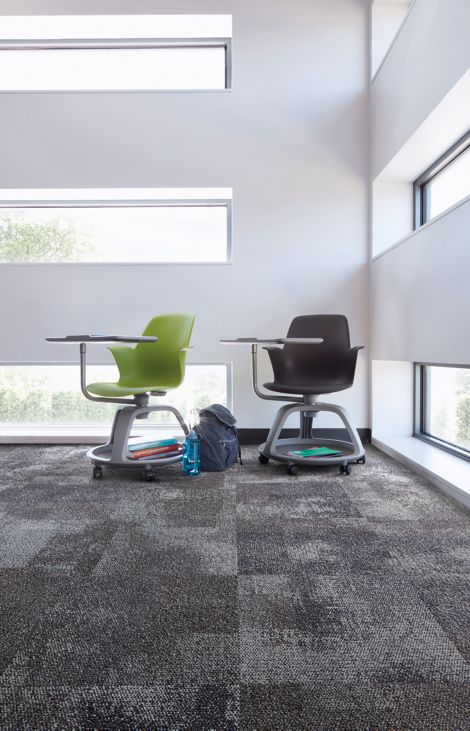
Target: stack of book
x,y
155,449
315,451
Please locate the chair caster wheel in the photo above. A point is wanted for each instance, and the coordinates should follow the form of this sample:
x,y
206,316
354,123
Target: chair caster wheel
x,y
361,460
345,469
148,476
97,472
262,459
292,469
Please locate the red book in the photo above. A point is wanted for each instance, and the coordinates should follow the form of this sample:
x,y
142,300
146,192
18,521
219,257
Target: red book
x,y
154,450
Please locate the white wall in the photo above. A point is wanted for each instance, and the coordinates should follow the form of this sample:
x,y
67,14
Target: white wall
x,y
387,18
392,212
290,139
444,125
392,190
392,394
420,299
429,56
421,294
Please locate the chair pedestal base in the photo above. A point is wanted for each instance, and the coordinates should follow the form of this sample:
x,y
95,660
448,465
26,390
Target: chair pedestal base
x,y
116,454
278,449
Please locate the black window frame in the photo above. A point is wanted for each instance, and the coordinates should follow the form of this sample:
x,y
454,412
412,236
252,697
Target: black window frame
x,y
420,402
421,183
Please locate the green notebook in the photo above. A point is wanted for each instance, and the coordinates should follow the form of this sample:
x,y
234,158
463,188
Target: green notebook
x,y
316,452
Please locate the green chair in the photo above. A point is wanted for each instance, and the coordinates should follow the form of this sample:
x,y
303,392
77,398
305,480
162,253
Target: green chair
x,y
148,369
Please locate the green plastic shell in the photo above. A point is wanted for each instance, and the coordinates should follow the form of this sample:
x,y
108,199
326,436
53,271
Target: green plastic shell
x,y
155,366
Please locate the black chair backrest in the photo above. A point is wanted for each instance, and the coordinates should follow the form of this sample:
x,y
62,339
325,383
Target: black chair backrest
x,y
322,363
333,329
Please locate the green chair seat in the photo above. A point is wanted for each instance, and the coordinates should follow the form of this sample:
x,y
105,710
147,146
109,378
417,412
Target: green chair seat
x,y
161,362
110,390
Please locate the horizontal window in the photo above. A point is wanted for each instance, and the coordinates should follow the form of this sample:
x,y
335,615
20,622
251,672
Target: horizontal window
x,y
49,396
67,55
442,414
444,184
116,229
122,67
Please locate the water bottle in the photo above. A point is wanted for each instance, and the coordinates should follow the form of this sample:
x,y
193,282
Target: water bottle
x,y
191,462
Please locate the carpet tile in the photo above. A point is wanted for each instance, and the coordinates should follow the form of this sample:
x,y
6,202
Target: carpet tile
x,y
236,601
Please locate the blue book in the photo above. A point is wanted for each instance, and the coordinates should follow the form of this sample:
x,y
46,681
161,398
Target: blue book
x,y
155,443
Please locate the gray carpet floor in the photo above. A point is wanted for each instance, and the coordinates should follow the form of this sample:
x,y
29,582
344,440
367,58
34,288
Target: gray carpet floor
x,y
243,600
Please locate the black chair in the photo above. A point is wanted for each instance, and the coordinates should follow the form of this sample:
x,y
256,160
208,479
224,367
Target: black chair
x,y
302,372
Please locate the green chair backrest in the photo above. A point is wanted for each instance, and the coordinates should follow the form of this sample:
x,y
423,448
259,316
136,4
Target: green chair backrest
x,y
162,363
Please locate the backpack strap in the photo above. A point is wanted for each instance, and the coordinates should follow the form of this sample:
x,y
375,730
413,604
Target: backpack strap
x,y
238,445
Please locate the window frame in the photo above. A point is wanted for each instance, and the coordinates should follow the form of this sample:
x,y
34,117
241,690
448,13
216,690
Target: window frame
x,y
120,44
420,405
125,203
419,185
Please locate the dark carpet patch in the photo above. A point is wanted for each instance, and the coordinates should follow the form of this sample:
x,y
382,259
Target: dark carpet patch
x,y
238,601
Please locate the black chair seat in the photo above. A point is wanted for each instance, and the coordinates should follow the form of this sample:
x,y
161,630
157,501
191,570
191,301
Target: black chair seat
x,y
307,370
300,390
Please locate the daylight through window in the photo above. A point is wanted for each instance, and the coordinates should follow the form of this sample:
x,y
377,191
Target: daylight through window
x,y
443,409
118,229
113,53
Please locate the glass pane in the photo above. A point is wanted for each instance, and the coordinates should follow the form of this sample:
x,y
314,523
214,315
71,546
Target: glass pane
x,y
448,187
107,69
45,395
448,405
175,233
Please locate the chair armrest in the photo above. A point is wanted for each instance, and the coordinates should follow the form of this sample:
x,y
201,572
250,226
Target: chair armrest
x,y
351,359
125,360
182,353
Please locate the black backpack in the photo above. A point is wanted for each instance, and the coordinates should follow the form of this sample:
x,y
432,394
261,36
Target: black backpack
x,y
219,446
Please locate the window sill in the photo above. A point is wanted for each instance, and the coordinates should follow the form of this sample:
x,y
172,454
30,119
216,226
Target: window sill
x,y
451,474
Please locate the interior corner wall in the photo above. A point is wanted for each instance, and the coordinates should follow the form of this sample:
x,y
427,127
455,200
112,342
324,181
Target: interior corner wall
x,y
386,20
420,300
392,212
392,394
290,139
429,56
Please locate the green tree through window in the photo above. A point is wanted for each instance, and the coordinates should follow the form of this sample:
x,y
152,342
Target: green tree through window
x,y
26,241
40,395
463,407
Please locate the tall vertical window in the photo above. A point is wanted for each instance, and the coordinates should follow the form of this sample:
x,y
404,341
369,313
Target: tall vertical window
x,y
112,53
444,184
442,413
118,225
